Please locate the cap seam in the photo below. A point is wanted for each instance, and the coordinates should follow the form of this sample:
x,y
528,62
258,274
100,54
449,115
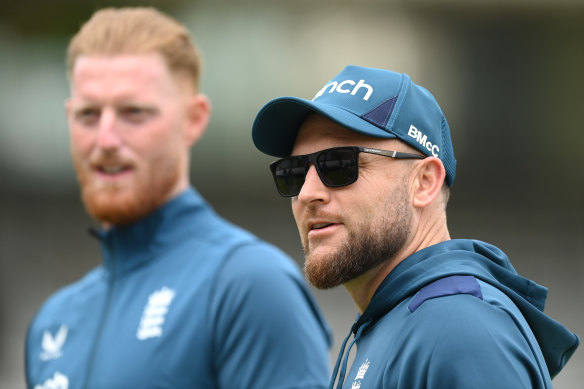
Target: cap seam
x,y
401,96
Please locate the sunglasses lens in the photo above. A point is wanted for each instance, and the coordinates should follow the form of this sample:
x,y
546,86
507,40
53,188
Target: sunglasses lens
x,y
289,175
338,167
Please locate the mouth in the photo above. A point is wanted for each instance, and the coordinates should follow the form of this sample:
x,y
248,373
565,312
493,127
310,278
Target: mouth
x,y
319,226
112,170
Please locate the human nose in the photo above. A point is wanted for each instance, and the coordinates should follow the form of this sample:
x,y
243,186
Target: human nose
x,y
313,189
108,136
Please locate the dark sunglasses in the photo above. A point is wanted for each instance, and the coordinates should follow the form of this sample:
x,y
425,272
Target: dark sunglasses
x,y
336,167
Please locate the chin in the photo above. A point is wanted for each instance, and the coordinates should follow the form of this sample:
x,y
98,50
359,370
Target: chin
x,y
118,207
322,270
127,201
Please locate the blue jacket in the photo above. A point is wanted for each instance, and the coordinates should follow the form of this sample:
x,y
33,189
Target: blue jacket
x,y
456,315
183,300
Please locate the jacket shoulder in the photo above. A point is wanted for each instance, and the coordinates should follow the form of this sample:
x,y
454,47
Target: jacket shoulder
x,y
71,296
446,286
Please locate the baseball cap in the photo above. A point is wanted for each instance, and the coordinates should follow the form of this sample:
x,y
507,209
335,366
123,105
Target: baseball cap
x,y
375,102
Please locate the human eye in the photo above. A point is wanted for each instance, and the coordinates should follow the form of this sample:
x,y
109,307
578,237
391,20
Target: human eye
x,y
135,114
87,116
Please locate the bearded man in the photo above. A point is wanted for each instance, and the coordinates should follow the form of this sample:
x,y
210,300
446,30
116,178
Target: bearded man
x,y
368,164
184,299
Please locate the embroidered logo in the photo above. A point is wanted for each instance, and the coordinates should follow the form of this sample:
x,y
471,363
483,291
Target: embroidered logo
x,y
362,370
52,345
360,375
154,314
59,381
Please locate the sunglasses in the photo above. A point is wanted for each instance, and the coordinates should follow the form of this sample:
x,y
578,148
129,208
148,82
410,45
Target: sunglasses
x,y
336,167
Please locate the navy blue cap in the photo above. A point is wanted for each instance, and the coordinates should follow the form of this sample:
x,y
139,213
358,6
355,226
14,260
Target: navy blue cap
x,y
374,102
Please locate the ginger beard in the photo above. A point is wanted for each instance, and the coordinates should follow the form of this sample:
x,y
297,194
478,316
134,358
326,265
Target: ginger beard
x,y
368,245
120,203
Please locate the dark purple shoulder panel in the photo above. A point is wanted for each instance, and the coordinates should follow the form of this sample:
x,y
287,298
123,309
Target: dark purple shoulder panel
x,y
446,287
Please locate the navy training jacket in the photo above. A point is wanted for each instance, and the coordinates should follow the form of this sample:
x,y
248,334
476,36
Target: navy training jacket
x,y
184,299
456,315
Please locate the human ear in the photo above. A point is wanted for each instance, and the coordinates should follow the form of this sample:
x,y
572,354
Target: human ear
x,y
198,114
428,180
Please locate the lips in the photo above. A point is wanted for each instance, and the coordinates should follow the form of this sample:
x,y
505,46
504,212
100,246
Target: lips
x,y
319,226
320,222
112,170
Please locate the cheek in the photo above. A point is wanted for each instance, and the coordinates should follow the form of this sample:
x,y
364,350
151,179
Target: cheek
x,y
298,210
82,141
365,203
296,205
158,136
158,152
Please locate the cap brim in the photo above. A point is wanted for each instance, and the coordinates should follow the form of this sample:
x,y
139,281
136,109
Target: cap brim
x,y
276,125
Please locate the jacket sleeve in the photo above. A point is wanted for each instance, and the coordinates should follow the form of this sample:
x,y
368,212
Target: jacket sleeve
x,y
267,331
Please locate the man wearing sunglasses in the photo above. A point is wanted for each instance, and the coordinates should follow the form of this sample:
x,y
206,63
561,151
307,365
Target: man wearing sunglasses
x,y
184,299
368,164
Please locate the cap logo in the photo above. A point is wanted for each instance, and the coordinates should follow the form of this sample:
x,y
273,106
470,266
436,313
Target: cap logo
x,y
423,140
341,87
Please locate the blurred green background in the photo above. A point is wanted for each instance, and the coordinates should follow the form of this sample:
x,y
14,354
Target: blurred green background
x,y
508,75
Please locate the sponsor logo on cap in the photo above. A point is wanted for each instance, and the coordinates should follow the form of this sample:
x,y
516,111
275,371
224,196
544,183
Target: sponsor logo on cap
x,y
422,139
345,87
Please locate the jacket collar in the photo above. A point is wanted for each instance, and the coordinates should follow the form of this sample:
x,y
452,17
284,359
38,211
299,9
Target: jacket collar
x,y
127,247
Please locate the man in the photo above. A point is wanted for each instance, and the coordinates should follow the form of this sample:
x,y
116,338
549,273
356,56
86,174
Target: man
x,y
183,299
368,163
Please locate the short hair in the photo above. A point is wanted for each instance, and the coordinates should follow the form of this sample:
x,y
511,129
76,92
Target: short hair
x,y
137,30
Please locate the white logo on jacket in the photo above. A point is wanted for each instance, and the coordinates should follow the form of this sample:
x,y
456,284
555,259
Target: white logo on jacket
x,y
154,314
360,374
52,345
59,381
363,370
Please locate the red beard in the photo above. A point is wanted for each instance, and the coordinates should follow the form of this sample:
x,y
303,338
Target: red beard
x,y
126,203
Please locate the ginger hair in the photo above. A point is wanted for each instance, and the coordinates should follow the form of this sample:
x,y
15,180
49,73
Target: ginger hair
x,y
137,30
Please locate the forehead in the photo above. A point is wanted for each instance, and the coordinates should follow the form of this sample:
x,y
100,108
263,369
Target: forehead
x,y
121,74
318,132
